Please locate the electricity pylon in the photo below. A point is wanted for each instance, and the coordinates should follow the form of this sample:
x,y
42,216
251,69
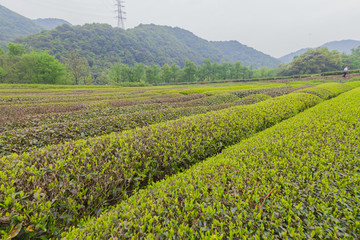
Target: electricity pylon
x,y
120,13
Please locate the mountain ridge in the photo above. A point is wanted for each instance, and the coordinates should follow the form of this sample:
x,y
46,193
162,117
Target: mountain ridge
x,y
147,43
50,23
342,46
14,25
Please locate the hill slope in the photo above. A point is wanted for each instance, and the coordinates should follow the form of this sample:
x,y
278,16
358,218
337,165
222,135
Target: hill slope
x,y
50,23
343,46
247,55
13,25
148,44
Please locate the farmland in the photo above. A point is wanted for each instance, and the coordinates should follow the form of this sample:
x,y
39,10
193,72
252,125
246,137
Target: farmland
x,y
258,160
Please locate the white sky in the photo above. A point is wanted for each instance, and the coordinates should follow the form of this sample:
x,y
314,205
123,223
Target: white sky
x,y
275,27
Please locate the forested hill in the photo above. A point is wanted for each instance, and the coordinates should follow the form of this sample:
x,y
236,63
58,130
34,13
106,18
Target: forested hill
x,y
249,56
13,25
50,23
344,46
148,44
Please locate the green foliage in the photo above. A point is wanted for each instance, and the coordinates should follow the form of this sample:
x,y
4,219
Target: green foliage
x,y
314,61
273,92
53,188
166,73
235,51
189,71
327,90
21,67
2,73
354,59
103,45
297,180
77,66
21,140
15,50
13,26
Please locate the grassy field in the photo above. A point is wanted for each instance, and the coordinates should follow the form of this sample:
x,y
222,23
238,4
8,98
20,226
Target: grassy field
x,y
257,160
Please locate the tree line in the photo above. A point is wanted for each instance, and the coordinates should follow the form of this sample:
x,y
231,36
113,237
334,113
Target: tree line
x,y
19,65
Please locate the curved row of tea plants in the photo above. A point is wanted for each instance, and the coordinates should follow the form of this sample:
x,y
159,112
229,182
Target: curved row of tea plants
x,y
19,110
328,90
51,189
23,140
297,180
27,121
272,92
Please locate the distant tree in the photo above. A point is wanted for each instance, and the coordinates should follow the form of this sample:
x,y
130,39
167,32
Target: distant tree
x,y
2,75
2,51
314,61
264,72
138,72
174,72
238,72
77,66
15,49
189,71
40,68
208,69
115,72
153,74
225,71
126,73
354,59
166,73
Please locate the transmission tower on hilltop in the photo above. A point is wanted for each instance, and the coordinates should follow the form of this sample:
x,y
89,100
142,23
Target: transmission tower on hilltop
x,y
120,13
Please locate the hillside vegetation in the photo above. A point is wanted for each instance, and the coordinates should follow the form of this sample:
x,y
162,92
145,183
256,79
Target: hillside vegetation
x,y
13,25
344,46
248,56
147,44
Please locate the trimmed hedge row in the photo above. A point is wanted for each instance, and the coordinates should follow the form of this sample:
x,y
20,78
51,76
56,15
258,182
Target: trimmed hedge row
x,y
124,103
49,190
23,140
297,180
106,111
272,92
17,111
327,90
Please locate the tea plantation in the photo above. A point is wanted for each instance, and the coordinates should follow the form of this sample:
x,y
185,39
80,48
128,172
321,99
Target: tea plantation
x,y
221,161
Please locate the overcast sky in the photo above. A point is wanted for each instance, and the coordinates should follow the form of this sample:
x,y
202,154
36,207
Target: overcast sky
x,y
275,27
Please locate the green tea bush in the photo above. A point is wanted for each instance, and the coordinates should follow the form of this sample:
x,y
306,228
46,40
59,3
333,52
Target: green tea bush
x,y
297,180
22,140
353,84
124,103
273,92
51,189
100,110
327,90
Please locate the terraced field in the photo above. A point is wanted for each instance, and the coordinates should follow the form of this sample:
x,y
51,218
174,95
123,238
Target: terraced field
x,y
233,161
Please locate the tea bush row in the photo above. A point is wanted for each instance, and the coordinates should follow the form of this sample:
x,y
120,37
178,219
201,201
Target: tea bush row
x,y
297,180
328,90
273,92
48,190
17,112
101,110
22,140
